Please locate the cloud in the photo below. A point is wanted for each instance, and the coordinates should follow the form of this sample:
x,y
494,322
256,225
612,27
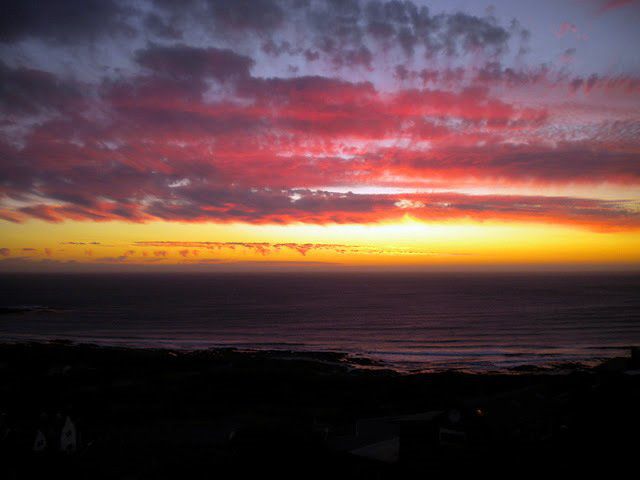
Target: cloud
x,y
267,248
566,27
227,111
184,61
345,33
607,5
26,91
262,248
10,216
5,252
202,203
119,259
64,21
80,243
404,25
42,212
252,15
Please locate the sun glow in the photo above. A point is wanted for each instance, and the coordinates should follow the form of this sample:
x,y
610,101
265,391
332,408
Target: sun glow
x,y
409,242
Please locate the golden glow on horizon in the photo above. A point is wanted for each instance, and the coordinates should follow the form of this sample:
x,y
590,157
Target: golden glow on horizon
x,y
405,243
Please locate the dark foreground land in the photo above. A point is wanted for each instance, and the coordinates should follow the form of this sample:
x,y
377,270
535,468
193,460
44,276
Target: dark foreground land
x,y
229,414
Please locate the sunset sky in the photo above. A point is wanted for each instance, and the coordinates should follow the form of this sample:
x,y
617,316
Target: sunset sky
x,y
277,134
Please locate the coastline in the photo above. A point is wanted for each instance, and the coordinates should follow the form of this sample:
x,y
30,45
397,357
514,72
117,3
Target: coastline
x,y
343,358
157,413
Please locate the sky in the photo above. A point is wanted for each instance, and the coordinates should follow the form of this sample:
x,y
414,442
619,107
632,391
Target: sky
x,y
319,134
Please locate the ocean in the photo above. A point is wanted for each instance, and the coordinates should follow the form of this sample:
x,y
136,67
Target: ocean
x,y
408,321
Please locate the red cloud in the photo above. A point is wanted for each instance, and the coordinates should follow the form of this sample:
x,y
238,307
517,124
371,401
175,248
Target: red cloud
x,y
193,135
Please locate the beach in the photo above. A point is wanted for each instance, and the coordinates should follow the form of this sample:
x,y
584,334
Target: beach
x,y
161,413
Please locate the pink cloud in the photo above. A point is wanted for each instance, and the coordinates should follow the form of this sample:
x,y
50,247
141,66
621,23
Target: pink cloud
x,y
566,27
196,134
608,5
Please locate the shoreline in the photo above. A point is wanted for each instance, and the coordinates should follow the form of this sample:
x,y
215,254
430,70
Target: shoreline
x,y
352,359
